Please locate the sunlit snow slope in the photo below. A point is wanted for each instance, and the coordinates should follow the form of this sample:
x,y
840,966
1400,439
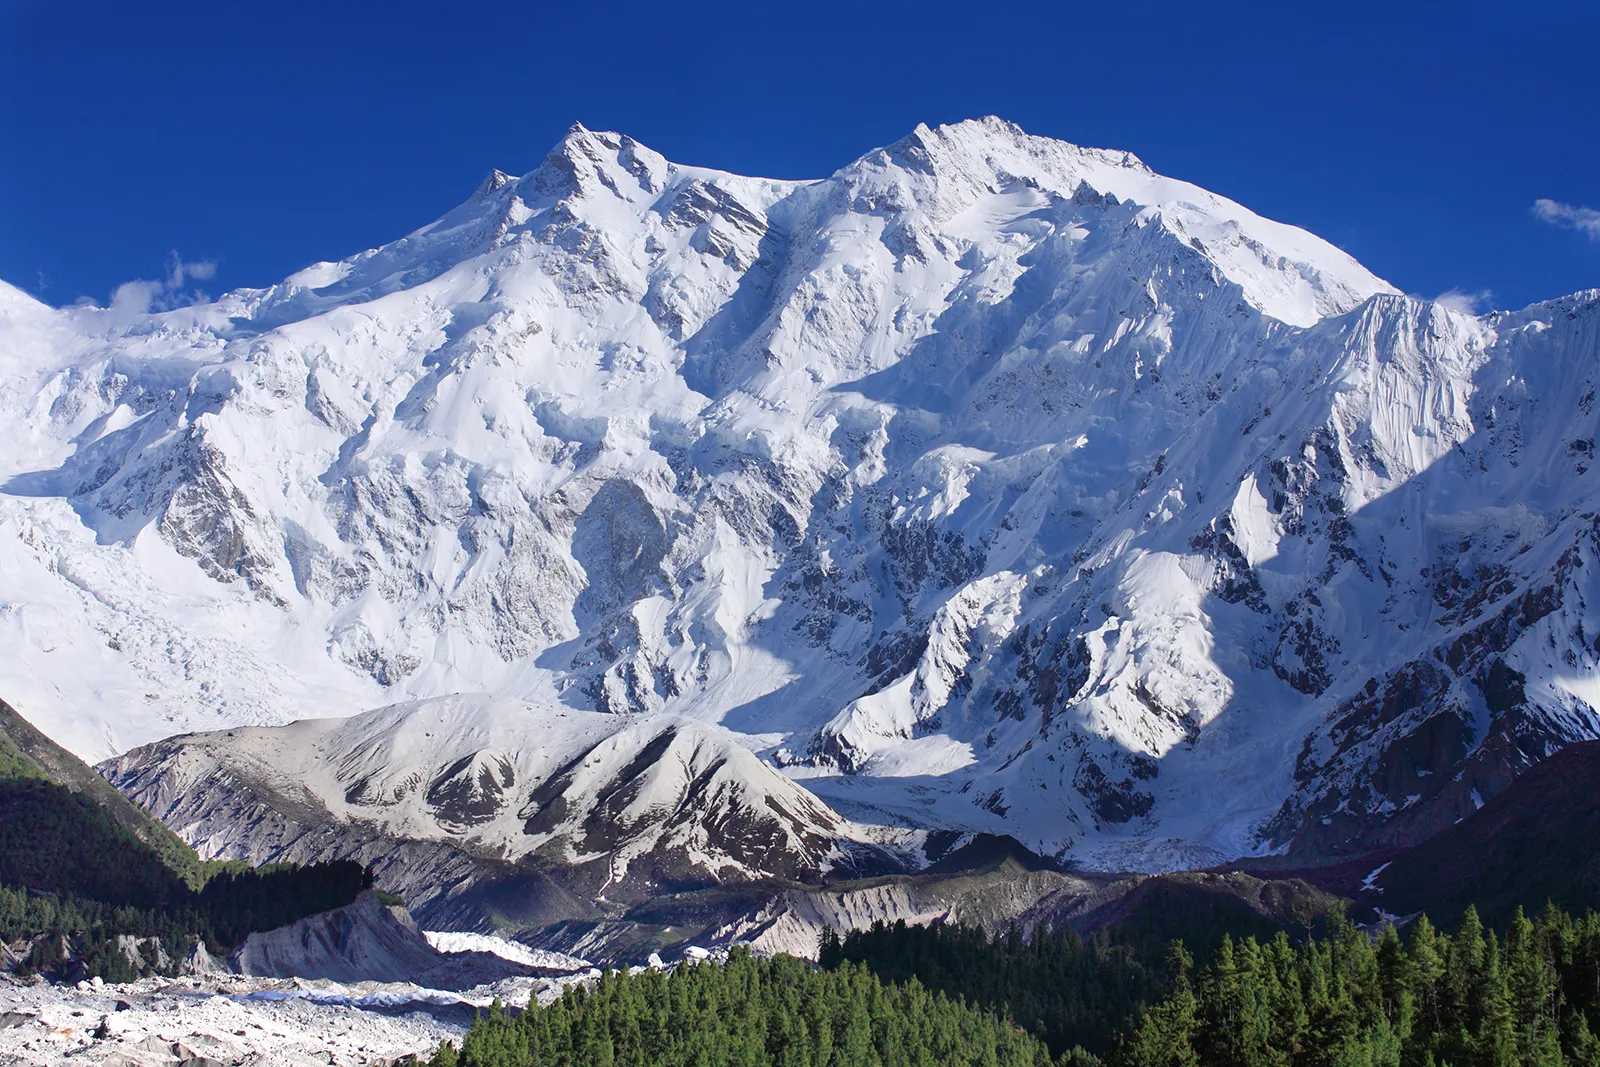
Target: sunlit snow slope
x,y
991,483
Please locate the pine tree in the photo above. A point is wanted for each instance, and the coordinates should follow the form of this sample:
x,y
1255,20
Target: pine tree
x,y
1166,1035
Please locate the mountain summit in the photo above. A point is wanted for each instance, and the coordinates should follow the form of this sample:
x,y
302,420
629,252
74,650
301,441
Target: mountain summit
x,y
992,484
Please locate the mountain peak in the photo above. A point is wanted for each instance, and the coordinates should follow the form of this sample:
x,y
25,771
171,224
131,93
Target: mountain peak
x,y
944,171
586,162
496,180
1000,141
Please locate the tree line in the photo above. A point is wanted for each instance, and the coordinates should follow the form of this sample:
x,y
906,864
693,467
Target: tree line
x,y
1343,996
1071,991
747,1012
73,878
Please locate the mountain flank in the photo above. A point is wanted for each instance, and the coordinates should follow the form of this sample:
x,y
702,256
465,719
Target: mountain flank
x,y
1537,842
636,530
26,754
92,885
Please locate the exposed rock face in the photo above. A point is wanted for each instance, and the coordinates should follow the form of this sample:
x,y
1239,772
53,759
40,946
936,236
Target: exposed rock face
x,y
991,484
1532,845
365,941
468,807
995,897
200,961
793,922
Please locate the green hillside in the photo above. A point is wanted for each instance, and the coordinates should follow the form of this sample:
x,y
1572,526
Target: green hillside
x,y
80,865
26,753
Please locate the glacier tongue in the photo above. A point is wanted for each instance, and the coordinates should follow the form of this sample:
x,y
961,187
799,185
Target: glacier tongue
x,y
990,484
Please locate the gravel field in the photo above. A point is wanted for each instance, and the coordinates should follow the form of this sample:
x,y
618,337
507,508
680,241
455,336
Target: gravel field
x,y
209,1022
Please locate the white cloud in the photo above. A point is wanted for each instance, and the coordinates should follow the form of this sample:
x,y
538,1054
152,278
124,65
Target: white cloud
x,y
1585,220
1465,302
142,296
201,270
135,298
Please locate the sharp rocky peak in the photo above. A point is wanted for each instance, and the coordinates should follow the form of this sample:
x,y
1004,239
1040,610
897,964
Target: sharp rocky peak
x,y
586,162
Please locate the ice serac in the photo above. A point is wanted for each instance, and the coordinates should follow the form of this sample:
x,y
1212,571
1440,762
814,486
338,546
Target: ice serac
x,y
991,484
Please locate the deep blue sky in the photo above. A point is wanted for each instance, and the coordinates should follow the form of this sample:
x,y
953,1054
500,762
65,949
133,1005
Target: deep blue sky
x,y
1416,136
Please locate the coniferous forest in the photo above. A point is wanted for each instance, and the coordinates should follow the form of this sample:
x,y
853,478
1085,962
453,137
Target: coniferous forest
x,y
1347,997
75,880
744,1013
1529,998
1071,991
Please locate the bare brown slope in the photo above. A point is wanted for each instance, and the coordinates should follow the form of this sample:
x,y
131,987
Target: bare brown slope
x,y
1537,841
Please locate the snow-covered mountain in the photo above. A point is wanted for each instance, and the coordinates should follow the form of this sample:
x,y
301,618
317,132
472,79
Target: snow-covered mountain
x,y
990,484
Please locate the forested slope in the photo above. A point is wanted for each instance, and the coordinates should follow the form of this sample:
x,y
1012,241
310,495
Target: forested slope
x,y
27,753
81,867
1351,997
747,1012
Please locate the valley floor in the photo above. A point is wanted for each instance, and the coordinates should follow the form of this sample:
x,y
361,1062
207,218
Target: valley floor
x,y
202,1021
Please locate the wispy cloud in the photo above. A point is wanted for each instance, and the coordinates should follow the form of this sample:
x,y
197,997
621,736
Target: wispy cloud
x,y
1467,303
200,270
142,296
1585,220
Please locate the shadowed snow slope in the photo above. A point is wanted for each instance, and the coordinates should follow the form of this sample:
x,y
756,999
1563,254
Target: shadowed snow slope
x,y
991,484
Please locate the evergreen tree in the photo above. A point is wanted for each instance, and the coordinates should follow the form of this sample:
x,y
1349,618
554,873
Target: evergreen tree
x,y
1347,998
1165,1037
748,1012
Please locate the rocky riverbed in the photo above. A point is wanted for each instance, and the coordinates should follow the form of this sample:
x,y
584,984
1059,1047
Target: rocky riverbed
x,y
241,1022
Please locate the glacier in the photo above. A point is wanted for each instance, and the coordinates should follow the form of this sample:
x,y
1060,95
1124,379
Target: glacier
x,y
992,484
